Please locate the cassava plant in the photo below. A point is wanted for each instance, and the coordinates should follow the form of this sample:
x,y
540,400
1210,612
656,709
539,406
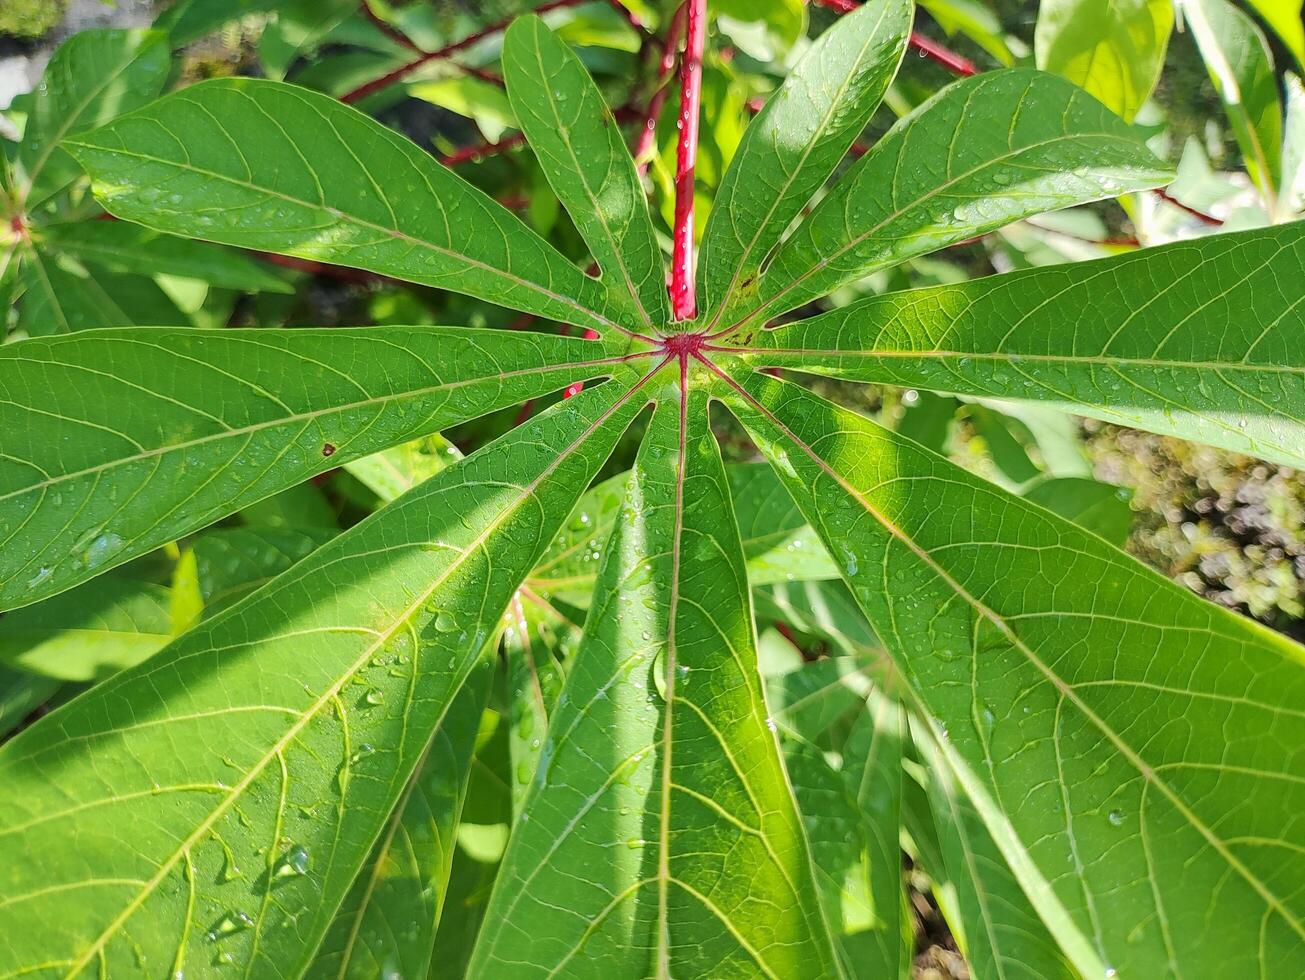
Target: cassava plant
x,y
1104,770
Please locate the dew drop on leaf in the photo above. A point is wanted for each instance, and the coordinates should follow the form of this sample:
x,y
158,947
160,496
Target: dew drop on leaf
x,y
295,863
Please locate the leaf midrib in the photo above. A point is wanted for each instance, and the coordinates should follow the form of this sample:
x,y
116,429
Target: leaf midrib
x,y
1066,691
395,233
333,691
296,417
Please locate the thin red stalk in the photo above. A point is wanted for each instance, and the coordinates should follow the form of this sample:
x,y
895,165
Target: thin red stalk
x,y
339,272
1208,219
482,150
684,304
389,30
630,17
647,137
949,59
407,68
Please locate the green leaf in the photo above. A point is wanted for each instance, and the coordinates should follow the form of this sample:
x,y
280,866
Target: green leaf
x,y
393,472
779,544
122,440
21,693
795,143
1092,505
582,151
1284,18
59,298
660,836
89,632
998,929
123,247
1112,48
93,76
225,565
386,925
1198,339
945,173
236,782
1291,200
1241,67
858,858
1132,749
365,197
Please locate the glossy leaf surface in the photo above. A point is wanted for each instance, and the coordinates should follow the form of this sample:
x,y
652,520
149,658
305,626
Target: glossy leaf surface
x,y
1196,339
177,166
659,837
1132,749
945,173
117,442
218,801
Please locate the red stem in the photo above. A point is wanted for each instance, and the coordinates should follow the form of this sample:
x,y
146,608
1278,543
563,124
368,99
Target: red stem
x,y
684,305
376,84
647,137
389,30
482,150
949,59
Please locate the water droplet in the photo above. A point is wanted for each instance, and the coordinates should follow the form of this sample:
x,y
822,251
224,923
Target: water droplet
x,y
233,922
363,752
375,696
293,864
1116,818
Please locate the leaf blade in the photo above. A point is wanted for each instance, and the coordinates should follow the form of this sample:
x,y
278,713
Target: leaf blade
x,y
579,145
1171,365
801,133
893,204
175,428
403,583
175,167
998,645
664,904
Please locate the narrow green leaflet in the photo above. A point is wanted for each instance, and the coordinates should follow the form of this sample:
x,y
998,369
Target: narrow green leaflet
x,y
21,693
534,680
909,196
93,76
582,150
1112,48
1135,752
999,931
224,565
386,924
63,298
215,804
1209,348
89,632
365,197
659,837
1241,67
124,247
393,472
117,441
795,143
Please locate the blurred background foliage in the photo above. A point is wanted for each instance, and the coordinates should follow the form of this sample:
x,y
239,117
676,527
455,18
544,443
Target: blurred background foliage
x,y
1214,84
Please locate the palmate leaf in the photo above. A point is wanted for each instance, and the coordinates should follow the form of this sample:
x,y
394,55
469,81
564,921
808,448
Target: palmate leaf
x,y
660,837
581,148
218,801
795,143
1135,752
1197,339
119,441
365,197
945,173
